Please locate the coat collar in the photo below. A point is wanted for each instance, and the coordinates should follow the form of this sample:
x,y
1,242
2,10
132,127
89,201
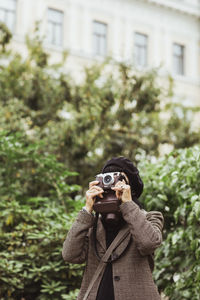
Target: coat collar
x,y
101,238
101,234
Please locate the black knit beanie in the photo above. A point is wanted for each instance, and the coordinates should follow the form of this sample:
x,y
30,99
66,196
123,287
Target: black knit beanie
x,y
122,164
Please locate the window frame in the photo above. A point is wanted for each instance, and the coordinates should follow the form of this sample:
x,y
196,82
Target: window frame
x,y
51,33
142,62
99,40
8,11
178,59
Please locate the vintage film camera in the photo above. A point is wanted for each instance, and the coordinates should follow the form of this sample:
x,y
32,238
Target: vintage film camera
x,y
109,203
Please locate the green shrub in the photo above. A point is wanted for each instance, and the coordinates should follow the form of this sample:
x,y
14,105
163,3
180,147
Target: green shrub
x,y
80,126
36,210
172,185
113,111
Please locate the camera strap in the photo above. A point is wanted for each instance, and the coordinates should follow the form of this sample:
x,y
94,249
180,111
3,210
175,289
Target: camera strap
x,y
105,259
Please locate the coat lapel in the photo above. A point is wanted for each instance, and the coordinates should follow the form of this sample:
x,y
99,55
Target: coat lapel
x,y
101,235
101,238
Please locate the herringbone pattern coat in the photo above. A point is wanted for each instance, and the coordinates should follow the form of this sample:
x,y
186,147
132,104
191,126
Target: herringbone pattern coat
x,y
132,276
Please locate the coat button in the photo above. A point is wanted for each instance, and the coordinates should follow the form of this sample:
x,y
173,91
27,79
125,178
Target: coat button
x,y
116,278
114,256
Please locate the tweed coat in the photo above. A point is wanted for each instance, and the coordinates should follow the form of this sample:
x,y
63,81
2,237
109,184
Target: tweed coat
x,y
132,274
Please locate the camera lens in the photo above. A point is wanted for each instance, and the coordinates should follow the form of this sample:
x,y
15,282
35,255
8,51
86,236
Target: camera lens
x,y
107,179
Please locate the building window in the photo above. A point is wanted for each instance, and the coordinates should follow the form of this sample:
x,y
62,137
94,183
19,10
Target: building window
x,y
55,27
8,13
99,38
140,49
178,59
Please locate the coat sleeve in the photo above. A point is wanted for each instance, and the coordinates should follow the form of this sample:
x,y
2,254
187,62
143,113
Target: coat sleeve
x,y
145,227
75,246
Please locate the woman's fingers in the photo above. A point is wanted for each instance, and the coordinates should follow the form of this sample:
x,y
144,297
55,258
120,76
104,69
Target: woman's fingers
x,y
118,191
94,193
91,193
98,193
117,188
96,190
121,183
95,182
122,189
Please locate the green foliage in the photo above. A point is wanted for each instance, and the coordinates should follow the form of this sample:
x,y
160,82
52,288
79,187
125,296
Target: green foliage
x,y
179,129
5,36
111,112
48,125
35,49
172,186
36,210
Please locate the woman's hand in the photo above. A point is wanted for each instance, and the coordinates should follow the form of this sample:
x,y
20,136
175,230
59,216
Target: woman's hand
x,y
123,191
93,191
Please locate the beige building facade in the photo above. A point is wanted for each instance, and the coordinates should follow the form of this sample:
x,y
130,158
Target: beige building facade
x,y
145,33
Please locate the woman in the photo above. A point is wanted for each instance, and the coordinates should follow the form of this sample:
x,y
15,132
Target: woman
x,y
127,274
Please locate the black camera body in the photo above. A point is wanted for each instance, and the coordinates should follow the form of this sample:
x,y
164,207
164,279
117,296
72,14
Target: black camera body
x,y
109,203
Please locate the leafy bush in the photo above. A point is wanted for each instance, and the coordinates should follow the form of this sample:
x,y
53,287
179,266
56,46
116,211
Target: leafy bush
x,y
36,210
109,113
5,36
172,186
81,125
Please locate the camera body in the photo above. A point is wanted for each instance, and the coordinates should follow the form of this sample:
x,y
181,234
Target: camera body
x,y
108,180
109,203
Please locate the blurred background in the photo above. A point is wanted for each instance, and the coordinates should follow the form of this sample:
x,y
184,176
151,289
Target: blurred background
x,y
81,82
147,34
